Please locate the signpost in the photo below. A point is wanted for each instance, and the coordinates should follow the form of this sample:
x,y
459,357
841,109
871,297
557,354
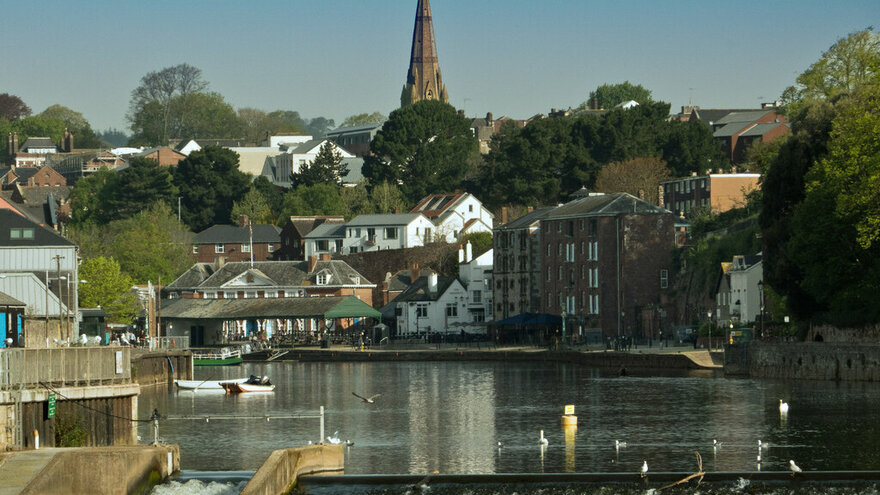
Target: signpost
x,y
51,410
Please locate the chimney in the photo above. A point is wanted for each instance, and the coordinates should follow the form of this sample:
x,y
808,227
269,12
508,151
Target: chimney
x,y
468,252
396,210
326,257
503,215
432,282
243,220
530,209
313,260
489,117
414,273
460,254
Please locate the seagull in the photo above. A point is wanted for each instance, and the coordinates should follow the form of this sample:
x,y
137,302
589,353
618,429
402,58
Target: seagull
x,y
83,340
544,440
794,468
644,469
716,443
349,443
783,407
369,400
96,340
423,484
334,439
763,445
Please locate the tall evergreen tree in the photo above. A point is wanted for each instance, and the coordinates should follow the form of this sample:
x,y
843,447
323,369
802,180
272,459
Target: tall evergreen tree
x,y
209,182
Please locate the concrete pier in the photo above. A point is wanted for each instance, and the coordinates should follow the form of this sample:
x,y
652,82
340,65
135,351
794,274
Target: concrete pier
x,y
95,470
279,473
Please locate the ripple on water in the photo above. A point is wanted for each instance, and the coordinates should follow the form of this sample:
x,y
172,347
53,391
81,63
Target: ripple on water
x,y
199,487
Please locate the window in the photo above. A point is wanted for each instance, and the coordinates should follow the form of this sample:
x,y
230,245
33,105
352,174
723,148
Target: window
x,y
323,278
422,311
219,248
271,248
195,250
321,245
594,226
559,278
559,249
548,249
398,311
549,274
451,309
477,296
558,227
371,233
352,249
245,248
664,279
471,208
391,232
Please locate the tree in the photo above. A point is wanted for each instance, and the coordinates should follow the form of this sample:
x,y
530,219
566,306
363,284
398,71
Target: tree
x,y
318,127
138,186
425,146
84,136
640,177
480,241
326,168
388,198
209,182
843,68
363,119
203,115
156,95
114,137
12,107
760,155
108,288
356,200
609,95
319,199
271,193
28,127
255,206
689,147
90,196
151,245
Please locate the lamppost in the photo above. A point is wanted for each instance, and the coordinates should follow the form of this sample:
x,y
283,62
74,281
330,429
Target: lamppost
x,y
563,315
761,290
709,316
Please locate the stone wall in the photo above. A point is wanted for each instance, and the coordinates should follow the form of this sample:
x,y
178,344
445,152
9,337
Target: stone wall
x,y
830,334
161,368
814,361
280,471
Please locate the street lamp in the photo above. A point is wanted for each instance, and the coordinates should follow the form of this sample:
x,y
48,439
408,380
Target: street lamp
x,y
761,289
564,314
709,316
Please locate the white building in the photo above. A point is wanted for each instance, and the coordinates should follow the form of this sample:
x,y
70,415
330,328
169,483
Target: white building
x,y
369,233
476,275
739,292
432,307
455,214
294,156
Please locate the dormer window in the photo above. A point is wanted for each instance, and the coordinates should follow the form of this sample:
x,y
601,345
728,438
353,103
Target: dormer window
x,y
323,278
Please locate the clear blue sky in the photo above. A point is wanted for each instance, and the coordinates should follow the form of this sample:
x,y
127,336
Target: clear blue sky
x,y
334,58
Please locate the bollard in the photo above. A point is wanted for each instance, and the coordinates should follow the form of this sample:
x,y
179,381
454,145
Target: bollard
x,y
36,440
322,425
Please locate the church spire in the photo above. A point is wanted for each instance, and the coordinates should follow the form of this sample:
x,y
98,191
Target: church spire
x,y
423,80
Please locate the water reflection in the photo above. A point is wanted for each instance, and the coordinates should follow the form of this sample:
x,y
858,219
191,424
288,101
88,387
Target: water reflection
x,y
451,416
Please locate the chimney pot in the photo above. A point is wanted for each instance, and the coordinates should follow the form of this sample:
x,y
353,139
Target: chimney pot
x,y
414,273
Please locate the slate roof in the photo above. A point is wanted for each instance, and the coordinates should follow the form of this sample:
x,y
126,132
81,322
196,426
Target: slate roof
x,y
605,205
219,234
6,300
747,116
42,236
22,174
38,195
359,128
713,115
401,280
229,309
383,219
327,229
761,129
305,147
304,225
528,218
418,290
435,204
203,276
731,129
37,142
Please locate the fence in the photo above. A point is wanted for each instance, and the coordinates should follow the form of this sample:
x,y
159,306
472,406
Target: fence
x,y
66,366
167,343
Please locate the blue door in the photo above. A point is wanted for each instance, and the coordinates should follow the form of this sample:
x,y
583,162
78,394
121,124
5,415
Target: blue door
x,y
3,318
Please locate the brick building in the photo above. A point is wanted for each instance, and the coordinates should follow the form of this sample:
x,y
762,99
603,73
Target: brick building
x,y
605,262
230,243
716,193
293,235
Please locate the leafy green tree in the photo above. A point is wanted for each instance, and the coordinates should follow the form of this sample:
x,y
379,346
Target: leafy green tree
x,y
388,198
157,101
12,107
271,193
29,127
139,185
326,168
640,177
114,137
84,136
290,119
209,182
255,123
151,245
319,199
689,147
106,286
360,119
760,155
90,196
843,68
480,241
425,146
356,200
318,127
609,95
255,206
203,115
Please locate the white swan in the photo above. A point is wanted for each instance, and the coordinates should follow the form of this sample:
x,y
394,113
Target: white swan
x,y
783,407
794,467
334,439
544,440
645,468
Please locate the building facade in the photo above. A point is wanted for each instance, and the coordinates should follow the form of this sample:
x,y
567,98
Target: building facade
x,y
229,243
516,268
714,193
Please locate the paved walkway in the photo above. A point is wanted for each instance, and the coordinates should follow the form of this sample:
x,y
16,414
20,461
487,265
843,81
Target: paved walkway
x,y
18,469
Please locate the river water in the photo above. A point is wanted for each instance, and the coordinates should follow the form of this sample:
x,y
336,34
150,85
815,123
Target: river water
x,y
450,416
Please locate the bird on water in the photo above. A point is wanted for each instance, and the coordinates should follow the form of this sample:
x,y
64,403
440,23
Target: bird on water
x,y
544,440
783,406
794,468
334,439
644,469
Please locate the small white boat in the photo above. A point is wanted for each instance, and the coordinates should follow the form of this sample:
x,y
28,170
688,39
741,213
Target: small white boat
x,y
238,388
206,384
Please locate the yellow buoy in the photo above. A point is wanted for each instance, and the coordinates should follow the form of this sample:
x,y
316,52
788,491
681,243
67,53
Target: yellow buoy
x,y
568,418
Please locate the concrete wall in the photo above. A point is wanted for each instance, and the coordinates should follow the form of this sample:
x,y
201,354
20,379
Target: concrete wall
x,y
160,368
814,361
111,470
279,473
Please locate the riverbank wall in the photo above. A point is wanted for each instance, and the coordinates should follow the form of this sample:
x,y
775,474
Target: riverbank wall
x,y
804,361
279,473
160,368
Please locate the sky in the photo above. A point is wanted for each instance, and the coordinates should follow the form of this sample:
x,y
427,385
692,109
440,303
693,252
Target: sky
x,y
336,58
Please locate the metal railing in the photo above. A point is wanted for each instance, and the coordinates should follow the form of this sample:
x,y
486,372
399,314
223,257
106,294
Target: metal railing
x,y
65,366
167,343
224,353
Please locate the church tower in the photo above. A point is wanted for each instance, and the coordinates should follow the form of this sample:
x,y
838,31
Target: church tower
x,y
423,80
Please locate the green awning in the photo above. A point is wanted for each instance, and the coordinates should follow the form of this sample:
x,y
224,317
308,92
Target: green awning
x,y
352,307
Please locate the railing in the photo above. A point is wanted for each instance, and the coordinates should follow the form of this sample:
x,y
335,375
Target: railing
x,y
167,343
224,353
65,366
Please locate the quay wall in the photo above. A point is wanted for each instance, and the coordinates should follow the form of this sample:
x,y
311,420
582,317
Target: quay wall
x,y
161,368
279,473
108,470
611,360
805,361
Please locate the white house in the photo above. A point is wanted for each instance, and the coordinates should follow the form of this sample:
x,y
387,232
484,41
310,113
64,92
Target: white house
x,y
292,157
455,214
476,275
369,233
432,306
739,294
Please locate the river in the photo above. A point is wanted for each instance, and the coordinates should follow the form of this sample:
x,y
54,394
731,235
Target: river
x,y
450,416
